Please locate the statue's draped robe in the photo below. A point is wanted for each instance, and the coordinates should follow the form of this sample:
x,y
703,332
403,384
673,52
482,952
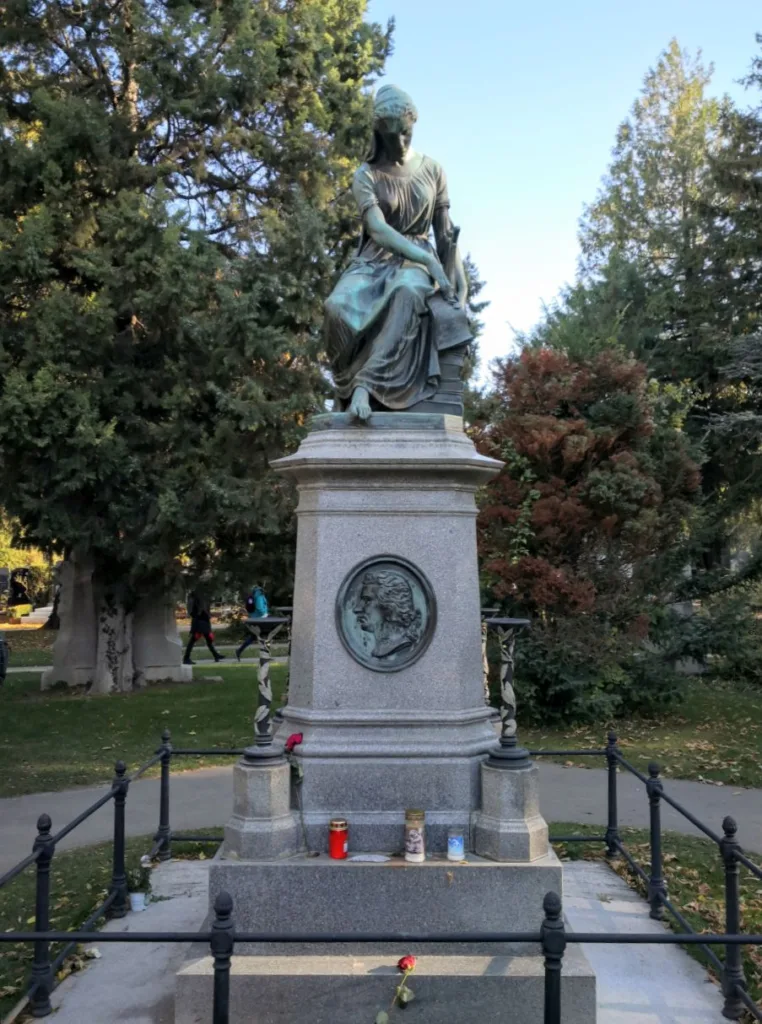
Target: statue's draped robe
x,y
386,321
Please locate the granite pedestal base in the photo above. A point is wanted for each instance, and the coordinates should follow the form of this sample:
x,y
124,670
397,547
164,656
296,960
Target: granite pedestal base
x,y
509,826
321,895
263,826
349,989
351,981
377,741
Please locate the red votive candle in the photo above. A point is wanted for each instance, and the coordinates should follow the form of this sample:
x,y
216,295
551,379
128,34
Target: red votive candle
x,y
338,839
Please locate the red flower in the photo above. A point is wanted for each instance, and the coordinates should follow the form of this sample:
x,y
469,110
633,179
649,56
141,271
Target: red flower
x,y
406,964
294,739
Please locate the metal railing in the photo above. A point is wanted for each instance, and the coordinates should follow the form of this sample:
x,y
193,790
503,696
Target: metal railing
x,y
552,937
44,969
734,989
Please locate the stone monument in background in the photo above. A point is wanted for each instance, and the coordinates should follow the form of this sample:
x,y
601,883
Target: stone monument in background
x,y
386,683
78,655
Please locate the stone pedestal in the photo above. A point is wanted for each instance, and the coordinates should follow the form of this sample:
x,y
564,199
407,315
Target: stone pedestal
x,y
157,647
75,645
508,826
263,826
376,740
386,688
440,897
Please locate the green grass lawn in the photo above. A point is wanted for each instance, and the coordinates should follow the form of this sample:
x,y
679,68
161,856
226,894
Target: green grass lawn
x,y
34,647
30,646
694,874
56,740
79,883
715,735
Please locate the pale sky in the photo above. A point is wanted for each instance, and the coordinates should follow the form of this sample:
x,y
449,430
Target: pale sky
x,y
520,103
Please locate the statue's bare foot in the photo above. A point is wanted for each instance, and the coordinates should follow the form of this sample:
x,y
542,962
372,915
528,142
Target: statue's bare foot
x,y
360,406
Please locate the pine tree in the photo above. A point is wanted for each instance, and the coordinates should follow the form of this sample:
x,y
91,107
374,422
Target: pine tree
x,y
172,208
663,275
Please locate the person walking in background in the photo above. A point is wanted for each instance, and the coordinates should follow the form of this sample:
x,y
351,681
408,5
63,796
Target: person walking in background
x,y
200,628
256,608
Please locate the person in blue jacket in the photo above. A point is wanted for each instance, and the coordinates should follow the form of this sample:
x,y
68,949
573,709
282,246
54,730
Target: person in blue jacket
x,y
256,608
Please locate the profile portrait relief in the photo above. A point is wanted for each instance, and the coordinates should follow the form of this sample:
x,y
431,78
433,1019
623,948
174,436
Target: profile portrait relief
x,y
385,608
385,614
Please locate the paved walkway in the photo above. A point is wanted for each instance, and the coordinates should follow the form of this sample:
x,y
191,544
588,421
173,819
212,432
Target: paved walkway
x,y
199,662
203,799
134,984
635,984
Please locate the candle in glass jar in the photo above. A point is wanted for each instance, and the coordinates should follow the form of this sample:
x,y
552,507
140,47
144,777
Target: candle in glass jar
x,y
415,837
338,839
456,844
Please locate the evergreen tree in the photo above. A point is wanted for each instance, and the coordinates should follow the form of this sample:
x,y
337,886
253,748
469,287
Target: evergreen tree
x,y
172,208
663,275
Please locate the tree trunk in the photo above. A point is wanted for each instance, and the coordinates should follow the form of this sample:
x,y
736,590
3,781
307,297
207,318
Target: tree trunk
x,y
114,666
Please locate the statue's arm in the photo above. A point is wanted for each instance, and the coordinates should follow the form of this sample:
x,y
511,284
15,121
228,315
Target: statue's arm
x,y
447,247
389,238
384,235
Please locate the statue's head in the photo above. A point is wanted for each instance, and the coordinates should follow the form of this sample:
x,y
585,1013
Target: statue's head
x,y
394,116
384,607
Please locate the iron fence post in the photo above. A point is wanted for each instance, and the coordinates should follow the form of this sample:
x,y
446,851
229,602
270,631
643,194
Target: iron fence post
x,y
657,888
553,946
164,833
732,976
42,973
120,785
612,829
222,950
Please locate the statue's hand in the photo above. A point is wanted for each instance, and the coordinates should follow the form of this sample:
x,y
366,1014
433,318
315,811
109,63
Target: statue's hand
x,y
439,277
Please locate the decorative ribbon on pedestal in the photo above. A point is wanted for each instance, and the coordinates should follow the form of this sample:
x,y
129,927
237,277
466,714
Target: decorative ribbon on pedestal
x,y
265,630
509,754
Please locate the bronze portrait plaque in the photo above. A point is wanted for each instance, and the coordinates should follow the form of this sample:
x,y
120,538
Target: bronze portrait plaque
x,y
386,613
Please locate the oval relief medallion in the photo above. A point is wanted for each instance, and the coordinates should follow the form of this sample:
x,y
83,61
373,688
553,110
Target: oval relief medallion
x,y
386,613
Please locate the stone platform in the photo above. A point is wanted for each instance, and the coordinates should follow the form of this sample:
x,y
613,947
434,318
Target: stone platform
x,y
350,982
347,989
320,895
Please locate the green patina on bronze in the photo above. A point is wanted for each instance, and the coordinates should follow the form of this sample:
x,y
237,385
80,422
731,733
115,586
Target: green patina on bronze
x,y
386,613
395,325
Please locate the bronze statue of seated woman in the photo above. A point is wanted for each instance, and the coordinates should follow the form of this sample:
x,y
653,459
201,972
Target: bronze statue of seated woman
x,y
395,327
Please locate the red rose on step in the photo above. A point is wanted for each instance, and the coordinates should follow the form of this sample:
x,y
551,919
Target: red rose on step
x,y
406,964
294,739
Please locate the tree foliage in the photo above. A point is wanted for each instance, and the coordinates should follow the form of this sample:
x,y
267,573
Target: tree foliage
x,y
670,272
172,210
579,530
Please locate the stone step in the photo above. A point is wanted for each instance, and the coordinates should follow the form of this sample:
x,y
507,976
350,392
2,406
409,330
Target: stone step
x,y
349,897
351,989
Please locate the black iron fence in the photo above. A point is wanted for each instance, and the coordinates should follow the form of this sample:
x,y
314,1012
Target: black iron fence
x,y
731,973
552,937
